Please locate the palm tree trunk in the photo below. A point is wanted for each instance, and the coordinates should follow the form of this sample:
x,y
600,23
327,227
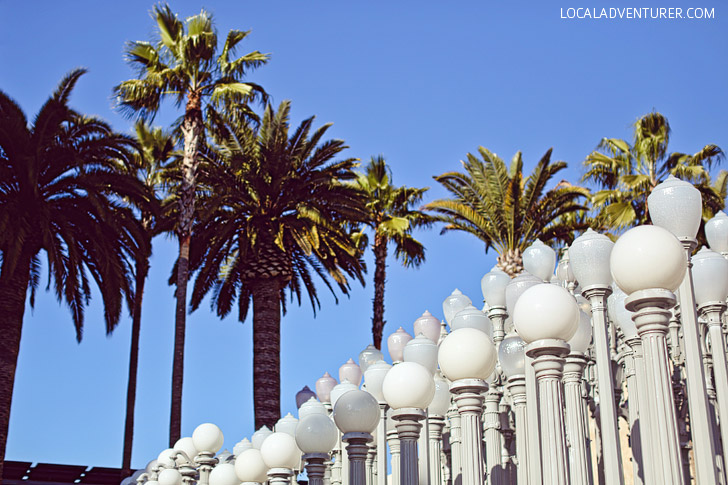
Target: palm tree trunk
x,y
192,130
266,351
142,269
13,289
380,268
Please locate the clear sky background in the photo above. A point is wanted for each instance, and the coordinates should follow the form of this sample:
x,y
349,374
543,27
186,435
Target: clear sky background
x,y
422,83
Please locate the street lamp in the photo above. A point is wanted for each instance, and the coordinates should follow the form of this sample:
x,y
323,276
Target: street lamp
x,y
356,414
281,455
467,357
539,260
648,263
395,344
374,379
512,359
207,439
368,356
250,467
493,286
428,325
546,317
316,436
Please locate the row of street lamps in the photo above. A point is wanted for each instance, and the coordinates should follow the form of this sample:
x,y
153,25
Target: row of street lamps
x,y
511,392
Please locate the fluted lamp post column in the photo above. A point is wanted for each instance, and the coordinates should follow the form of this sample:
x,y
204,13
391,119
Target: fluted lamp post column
x,y
677,206
546,317
316,436
467,357
710,271
512,358
374,378
356,414
637,395
436,412
250,467
577,432
408,388
589,257
281,455
648,263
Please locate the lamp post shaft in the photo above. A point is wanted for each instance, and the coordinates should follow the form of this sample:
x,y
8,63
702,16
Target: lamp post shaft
x,y
720,367
548,363
612,455
408,429
702,431
279,476
436,424
576,421
517,387
394,449
534,426
455,445
469,400
423,448
357,450
651,317
382,445
493,438
316,467
634,375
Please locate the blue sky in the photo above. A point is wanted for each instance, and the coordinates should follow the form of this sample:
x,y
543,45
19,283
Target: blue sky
x,y
423,83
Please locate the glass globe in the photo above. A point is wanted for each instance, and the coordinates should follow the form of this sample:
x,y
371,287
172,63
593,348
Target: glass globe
x,y
441,401
423,351
546,311
512,355
716,231
517,286
351,371
356,411
169,476
260,436
619,314
408,385
279,450
374,378
369,356
287,424
539,260
396,343
188,446
312,406
427,325
589,258
250,467
453,304
467,353
677,206
208,438
494,285
471,317
647,257
324,385
316,433
341,389
582,338
710,277
224,474
304,395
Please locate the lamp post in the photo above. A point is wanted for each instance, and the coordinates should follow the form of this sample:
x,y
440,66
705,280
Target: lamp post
x,y
710,270
393,442
546,317
368,356
207,439
467,357
639,408
494,285
576,409
436,412
428,325
589,256
395,344
511,355
676,205
340,467
356,414
408,388
250,467
374,379
647,262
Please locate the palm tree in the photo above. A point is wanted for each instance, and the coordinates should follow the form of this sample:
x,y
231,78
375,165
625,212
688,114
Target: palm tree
x,y
391,217
275,214
61,193
626,174
149,166
506,211
183,64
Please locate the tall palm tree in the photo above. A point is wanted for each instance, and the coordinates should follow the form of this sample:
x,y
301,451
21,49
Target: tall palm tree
x,y
61,194
275,214
183,63
149,166
391,217
626,174
506,211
